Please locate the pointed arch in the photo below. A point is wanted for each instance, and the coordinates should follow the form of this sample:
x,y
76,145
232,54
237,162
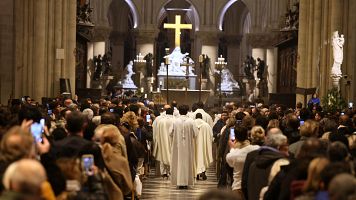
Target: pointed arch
x,y
134,12
223,11
196,15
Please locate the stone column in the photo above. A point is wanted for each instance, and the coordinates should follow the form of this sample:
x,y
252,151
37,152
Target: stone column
x,y
44,44
117,40
209,45
145,40
233,53
271,62
7,69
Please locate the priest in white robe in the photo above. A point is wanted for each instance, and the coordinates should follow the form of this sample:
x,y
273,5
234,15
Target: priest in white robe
x,y
203,142
163,142
183,167
206,117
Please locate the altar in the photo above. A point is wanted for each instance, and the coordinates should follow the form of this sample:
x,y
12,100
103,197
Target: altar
x,y
178,82
188,97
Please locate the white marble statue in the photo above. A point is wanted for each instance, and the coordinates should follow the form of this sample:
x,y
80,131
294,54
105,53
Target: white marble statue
x,y
176,59
337,43
127,82
228,83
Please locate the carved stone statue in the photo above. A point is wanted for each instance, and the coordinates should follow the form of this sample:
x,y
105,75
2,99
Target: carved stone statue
x,y
98,64
337,44
107,64
149,60
206,67
249,65
260,68
127,82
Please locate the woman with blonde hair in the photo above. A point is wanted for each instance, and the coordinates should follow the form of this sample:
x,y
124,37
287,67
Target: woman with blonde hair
x,y
257,135
118,178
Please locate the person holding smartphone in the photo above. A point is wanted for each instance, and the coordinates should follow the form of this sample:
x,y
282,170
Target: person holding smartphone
x,y
239,148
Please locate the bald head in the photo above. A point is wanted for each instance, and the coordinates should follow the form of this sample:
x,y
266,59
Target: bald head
x,y
274,131
25,176
166,107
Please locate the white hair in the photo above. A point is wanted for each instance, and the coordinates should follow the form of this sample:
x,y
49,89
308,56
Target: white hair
x,y
88,113
276,140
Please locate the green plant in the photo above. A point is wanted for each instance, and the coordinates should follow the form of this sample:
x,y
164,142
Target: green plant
x,y
333,101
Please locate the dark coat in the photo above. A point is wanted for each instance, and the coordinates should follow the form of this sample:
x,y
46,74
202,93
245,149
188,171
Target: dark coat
x,y
70,146
259,171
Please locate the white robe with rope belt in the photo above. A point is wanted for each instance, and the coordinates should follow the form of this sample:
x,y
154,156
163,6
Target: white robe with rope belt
x,y
183,151
203,142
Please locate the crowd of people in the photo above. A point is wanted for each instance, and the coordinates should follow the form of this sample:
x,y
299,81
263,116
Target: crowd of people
x,y
70,149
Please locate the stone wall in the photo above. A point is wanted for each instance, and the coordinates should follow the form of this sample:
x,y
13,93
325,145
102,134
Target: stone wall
x,y
6,50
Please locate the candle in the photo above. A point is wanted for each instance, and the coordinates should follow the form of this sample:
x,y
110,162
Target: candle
x,y
151,89
160,83
145,96
142,90
167,61
201,58
158,89
152,80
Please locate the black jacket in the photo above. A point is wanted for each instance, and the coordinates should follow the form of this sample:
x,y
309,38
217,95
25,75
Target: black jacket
x,y
259,171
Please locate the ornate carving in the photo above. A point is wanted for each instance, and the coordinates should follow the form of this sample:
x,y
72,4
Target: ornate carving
x,y
291,20
84,12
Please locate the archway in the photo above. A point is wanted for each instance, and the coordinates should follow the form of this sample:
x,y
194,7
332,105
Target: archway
x,y
234,22
165,38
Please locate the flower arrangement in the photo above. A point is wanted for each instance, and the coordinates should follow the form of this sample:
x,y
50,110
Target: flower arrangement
x,y
333,101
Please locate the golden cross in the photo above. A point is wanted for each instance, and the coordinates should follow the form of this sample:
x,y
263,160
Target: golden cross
x,y
177,26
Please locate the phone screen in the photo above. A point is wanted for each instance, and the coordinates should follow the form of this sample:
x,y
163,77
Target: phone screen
x,y
87,164
232,134
37,129
301,122
148,118
50,112
351,105
111,110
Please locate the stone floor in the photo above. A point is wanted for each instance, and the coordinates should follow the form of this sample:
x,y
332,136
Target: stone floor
x,y
156,188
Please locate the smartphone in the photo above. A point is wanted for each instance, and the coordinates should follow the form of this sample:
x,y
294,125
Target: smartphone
x,y
37,130
111,110
87,164
301,122
342,113
148,118
232,134
50,112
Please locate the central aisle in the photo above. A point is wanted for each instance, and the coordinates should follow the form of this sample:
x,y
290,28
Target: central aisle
x,y
156,188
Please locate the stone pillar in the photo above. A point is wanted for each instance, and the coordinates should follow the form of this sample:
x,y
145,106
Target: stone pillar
x,y
233,53
117,41
45,32
309,67
145,40
209,45
6,50
271,62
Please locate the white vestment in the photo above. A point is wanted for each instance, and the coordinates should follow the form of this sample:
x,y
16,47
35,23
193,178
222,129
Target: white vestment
x,y
206,117
203,142
183,151
162,140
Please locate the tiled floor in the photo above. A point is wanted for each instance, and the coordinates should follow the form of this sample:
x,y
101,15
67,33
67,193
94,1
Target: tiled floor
x,y
156,188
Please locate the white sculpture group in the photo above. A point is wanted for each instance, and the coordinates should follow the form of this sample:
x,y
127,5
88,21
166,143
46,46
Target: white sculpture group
x,y
175,68
127,81
337,44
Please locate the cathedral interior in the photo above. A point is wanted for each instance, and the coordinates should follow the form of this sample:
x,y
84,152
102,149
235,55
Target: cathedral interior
x,y
46,41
